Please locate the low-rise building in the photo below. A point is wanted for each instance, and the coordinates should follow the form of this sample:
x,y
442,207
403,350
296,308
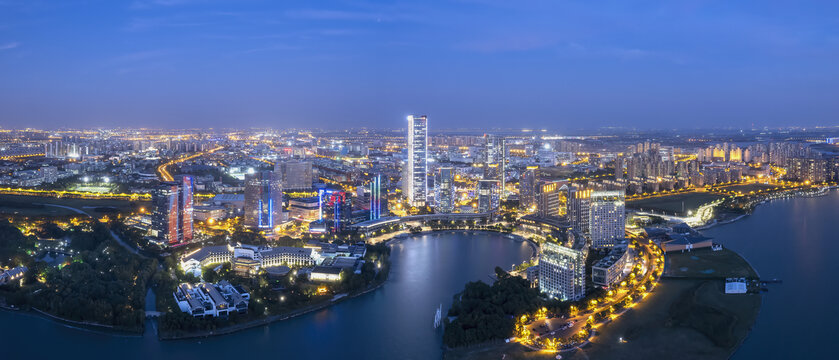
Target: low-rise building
x,y
326,273
211,300
611,268
12,274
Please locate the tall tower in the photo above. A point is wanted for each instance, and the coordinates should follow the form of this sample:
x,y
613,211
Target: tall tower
x,y
606,218
376,197
495,161
263,200
185,204
578,208
445,190
417,174
164,219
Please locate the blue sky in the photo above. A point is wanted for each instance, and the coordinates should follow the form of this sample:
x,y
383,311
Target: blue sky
x,y
468,63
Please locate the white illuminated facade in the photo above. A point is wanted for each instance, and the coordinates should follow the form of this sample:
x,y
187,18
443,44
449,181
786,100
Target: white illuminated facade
x,y
415,179
607,219
562,273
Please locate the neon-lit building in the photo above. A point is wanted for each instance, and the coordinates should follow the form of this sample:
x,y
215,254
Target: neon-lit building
x,y
263,200
376,208
488,200
335,210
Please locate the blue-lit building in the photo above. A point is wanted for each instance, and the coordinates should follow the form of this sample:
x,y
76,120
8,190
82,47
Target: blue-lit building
x,y
334,211
377,206
263,200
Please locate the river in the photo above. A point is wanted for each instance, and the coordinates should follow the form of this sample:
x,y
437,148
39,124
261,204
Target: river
x,y
393,322
797,241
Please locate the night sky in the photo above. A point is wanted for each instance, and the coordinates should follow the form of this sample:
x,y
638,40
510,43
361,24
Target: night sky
x,y
479,63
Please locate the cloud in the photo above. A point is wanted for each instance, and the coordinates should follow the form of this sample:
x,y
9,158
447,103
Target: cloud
x,y
9,46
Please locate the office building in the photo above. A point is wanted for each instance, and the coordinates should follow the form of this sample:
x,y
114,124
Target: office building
x,y
607,225
296,175
610,269
172,211
527,188
445,191
549,199
578,208
562,273
263,200
335,210
495,162
488,199
415,179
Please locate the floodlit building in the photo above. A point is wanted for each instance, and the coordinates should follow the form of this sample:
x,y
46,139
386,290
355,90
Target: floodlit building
x,y
211,300
376,208
578,209
611,268
607,219
562,272
415,178
263,200
172,211
334,211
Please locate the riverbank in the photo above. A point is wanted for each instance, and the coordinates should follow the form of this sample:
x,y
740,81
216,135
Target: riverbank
x,y
76,325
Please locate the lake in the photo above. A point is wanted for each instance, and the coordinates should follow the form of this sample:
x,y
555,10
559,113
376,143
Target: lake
x,y
393,322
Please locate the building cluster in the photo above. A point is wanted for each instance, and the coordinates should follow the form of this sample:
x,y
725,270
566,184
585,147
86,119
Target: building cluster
x,y
251,259
211,300
16,273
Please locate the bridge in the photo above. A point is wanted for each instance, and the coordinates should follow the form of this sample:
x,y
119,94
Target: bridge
x,y
153,314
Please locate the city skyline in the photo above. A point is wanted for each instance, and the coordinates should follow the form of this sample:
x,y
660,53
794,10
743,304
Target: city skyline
x,y
559,65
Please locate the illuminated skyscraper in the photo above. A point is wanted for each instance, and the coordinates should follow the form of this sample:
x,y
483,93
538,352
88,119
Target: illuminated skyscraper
x,y
416,188
548,199
376,198
444,192
164,218
527,188
185,204
578,208
263,200
495,162
607,223
172,211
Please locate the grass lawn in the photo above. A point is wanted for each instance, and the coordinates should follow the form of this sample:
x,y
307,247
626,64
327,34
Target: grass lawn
x,y
673,204
708,263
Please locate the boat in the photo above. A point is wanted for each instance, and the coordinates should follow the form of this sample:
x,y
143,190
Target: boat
x,y
438,316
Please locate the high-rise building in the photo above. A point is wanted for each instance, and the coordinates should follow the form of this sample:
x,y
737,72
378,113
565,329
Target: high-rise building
x,y
296,174
527,188
607,225
445,191
376,208
263,200
488,199
172,212
495,161
186,209
334,210
548,199
578,209
416,188
562,273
